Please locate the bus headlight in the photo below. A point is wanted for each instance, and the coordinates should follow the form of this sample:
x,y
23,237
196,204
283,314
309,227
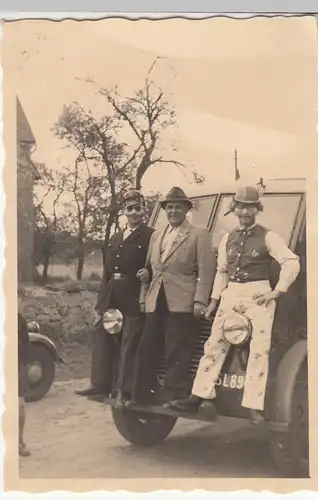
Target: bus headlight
x,y
113,321
237,329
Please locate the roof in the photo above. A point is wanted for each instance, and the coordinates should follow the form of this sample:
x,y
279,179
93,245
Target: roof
x,y
24,131
287,185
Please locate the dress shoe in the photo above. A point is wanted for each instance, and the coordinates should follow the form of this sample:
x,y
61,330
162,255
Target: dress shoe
x,y
121,403
131,402
190,404
255,417
208,409
122,400
92,391
24,451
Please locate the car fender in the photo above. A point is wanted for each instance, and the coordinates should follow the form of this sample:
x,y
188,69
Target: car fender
x,y
43,339
285,381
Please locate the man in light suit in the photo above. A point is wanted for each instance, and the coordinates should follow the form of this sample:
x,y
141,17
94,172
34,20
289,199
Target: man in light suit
x,y
183,264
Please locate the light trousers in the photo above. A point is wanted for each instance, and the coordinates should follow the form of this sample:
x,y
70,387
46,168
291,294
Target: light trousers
x,y
240,296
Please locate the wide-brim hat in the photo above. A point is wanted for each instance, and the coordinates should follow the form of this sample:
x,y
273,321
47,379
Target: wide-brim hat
x,y
133,196
249,195
176,195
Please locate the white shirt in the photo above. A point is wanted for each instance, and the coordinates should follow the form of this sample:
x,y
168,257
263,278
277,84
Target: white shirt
x,y
277,248
170,235
127,232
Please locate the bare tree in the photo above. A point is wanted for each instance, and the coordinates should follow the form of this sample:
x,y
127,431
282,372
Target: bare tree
x,y
49,189
125,142
86,206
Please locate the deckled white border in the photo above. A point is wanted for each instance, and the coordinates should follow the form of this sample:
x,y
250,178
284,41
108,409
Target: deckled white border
x,y
11,16
242,494
2,267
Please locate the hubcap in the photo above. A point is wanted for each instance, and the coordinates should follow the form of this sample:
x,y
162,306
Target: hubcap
x,y
35,372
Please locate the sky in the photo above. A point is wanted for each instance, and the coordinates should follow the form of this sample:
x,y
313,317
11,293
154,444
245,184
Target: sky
x,y
249,85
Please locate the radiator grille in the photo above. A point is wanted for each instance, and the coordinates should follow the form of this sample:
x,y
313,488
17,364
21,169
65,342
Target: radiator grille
x,y
203,333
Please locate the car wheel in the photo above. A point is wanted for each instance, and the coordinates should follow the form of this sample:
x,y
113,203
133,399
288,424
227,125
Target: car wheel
x,y
290,451
40,372
142,428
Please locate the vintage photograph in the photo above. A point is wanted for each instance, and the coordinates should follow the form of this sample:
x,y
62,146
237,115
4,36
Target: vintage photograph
x,y
161,183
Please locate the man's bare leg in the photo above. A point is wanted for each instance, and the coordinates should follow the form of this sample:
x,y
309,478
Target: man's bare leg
x,y
23,450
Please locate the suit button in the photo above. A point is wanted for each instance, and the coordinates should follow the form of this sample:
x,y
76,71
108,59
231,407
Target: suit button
x,y
117,256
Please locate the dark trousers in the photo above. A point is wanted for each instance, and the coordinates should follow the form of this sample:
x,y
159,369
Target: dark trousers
x,y
174,334
114,357
132,330
104,354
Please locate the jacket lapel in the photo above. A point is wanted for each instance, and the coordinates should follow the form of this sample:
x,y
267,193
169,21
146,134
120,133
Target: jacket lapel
x,y
159,244
180,238
134,234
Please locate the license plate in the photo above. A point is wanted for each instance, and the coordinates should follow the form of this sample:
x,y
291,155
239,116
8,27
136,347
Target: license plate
x,y
231,381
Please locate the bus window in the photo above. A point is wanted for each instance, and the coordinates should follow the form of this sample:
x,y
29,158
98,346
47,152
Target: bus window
x,y
199,215
279,215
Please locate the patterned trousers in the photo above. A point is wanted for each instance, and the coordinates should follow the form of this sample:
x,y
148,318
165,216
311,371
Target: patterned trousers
x,y
239,295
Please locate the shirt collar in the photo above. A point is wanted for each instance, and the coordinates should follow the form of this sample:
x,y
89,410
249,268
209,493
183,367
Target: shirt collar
x,y
247,230
171,228
131,230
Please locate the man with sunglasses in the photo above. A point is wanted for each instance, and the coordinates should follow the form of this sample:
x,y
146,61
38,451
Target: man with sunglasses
x,y
182,263
120,288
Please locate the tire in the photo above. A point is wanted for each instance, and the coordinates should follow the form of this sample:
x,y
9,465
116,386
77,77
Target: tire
x,y
142,428
43,358
290,451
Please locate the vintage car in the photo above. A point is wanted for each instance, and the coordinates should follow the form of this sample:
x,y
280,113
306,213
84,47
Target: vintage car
x,y
286,403
41,367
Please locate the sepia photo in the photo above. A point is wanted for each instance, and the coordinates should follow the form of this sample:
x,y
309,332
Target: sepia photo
x,y
156,181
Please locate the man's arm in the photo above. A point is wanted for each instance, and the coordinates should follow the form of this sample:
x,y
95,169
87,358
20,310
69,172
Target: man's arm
x,y
23,340
221,277
145,284
105,279
206,263
288,261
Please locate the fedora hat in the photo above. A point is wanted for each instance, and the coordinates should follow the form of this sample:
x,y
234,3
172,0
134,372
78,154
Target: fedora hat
x,y
176,195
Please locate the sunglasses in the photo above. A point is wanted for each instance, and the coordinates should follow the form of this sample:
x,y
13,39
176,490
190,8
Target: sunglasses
x,y
137,208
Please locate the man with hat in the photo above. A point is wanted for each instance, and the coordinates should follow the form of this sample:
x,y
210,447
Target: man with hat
x,y
120,288
242,281
182,264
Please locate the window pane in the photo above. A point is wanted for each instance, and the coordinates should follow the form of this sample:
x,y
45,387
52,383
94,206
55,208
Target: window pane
x,y
279,215
199,215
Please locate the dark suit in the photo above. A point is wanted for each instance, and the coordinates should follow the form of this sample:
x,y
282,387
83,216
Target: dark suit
x,y
180,278
125,257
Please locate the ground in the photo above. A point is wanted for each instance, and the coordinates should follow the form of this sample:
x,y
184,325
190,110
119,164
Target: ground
x,y
71,437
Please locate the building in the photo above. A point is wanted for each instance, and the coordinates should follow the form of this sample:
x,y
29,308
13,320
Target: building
x,y
25,209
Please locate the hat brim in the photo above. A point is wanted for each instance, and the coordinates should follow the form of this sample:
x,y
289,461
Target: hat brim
x,y
246,202
186,202
128,203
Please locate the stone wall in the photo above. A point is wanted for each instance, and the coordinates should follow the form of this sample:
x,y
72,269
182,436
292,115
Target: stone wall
x,y
65,313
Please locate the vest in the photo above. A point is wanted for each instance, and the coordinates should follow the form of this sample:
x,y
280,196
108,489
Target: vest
x,y
247,256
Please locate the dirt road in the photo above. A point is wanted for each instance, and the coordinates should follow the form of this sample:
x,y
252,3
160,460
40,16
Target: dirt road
x,y
71,437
